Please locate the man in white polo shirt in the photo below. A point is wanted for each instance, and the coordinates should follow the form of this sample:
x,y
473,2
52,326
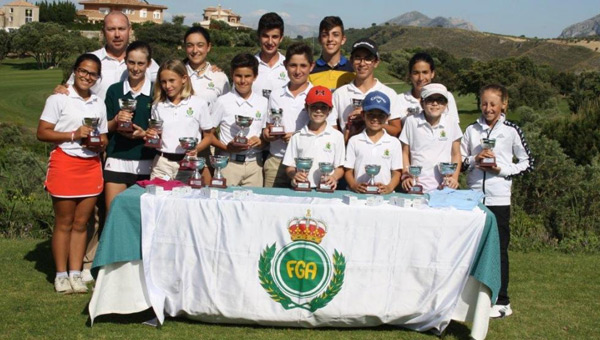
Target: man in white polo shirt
x,y
245,162
271,70
347,99
374,146
316,140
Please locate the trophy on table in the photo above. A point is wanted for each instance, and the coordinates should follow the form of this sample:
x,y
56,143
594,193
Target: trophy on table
x,y
372,170
197,164
447,169
276,129
187,143
326,168
240,140
93,139
154,142
488,144
303,165
219,162
415,171
129,106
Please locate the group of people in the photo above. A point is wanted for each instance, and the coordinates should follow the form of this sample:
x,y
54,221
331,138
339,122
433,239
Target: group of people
x,y
332,110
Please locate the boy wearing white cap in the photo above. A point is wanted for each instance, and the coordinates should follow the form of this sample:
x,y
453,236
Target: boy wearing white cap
x,y
346,100
374,146
430,138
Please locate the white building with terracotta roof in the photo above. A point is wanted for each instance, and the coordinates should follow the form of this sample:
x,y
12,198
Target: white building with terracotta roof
x,y
222,14
137,11
17,13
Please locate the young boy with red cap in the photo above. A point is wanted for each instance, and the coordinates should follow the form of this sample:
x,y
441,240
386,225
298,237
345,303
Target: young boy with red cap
x,y
316,140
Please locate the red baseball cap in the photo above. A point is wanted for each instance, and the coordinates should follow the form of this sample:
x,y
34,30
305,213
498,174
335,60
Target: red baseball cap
x,y
319,94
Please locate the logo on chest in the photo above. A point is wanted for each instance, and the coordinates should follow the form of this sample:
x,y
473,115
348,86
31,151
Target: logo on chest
x,y
328,147
189,112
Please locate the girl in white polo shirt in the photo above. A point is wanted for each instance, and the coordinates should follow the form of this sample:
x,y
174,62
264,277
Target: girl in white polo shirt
x,y
183,115
374,146
430,138
74,177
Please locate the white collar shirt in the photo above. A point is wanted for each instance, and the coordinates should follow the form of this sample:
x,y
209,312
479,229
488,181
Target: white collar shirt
x,y
66,112
270,78
429,146
386,152
145,90
327,146
210,85
232,104
294,114
186,119
409,105
343,102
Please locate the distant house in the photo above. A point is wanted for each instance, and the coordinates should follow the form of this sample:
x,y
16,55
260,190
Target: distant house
x,y
17,13
137,11
226,15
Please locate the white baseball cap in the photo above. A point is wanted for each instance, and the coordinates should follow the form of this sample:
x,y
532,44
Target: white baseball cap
x,y
431,89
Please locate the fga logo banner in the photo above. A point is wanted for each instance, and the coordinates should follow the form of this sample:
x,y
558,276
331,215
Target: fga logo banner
x,y
302,269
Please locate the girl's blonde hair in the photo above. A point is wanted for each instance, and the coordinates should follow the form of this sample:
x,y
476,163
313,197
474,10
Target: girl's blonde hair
x,y
178,67
500,89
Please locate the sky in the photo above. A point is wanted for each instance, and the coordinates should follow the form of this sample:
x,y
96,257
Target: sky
x,y
532,18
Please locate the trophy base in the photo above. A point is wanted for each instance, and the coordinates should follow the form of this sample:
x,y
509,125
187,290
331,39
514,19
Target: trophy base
x,y
324,188
277,131
196,183
372,189
152,143
125,127
416,190
488,163
220,183
93,141
240,143
303,186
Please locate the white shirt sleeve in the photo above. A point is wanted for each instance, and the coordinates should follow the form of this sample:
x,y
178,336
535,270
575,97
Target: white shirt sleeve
x,y
206,122
216,113
405,135
350,154
396,156
332,119
291,152
452,108
520,150
340,154
53,107
456,131
395,108
103,126
465,148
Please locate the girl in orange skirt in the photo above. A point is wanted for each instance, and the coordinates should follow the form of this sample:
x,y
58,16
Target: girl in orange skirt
x,y
74,177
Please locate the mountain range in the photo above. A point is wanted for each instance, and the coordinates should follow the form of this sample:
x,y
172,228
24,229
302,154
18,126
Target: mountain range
x,y
421,20
582,29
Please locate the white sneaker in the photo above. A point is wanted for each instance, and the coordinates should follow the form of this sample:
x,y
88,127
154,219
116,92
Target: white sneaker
x,y
86,276
62,285
500,311
77,284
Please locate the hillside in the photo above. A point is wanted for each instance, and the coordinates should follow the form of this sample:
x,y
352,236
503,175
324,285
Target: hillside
x,y
419,19
479,46
586,28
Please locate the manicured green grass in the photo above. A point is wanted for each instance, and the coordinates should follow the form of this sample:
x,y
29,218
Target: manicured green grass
x,y
554,296
24,90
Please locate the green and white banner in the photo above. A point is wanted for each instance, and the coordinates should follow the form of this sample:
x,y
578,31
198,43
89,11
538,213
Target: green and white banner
x,y
305,262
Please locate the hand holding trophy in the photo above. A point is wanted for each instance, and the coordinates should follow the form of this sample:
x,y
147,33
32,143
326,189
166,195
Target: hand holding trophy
x,y
129,106
303,165
93,139
372,170
325,168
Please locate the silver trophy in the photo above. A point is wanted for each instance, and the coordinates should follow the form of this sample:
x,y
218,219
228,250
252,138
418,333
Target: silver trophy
x,y
219,162
447,169
303,165
154,142
488,144
243,122
129,106
188,144
276,129
372,170
93,139
197,164
415,172
413,110
325,168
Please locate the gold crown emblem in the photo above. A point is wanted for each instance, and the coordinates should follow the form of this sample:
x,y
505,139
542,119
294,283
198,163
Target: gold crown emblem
x,y
307,229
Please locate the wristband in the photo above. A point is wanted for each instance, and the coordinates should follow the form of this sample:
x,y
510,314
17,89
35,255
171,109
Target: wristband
x,y
73,135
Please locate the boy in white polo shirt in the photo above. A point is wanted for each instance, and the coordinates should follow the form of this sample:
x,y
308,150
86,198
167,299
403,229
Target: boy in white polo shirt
x,y
430,138
271,69
374,146
291,100
317,140
245,162
346,100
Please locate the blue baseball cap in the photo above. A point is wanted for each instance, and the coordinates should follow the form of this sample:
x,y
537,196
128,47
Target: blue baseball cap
x,y
377,100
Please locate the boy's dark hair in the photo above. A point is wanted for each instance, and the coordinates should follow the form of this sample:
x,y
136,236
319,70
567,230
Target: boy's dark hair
x,y
299,48
328,23
244,60
421,56
270,21
142,46
197,29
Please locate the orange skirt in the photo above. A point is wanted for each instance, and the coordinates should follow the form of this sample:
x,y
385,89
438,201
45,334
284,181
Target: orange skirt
x,y
72,177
